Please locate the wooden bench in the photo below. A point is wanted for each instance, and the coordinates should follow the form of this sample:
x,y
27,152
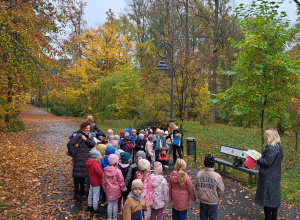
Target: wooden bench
x,y
233,152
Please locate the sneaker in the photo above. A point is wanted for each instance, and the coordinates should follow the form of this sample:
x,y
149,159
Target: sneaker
x,y
98,211
103,204
165,166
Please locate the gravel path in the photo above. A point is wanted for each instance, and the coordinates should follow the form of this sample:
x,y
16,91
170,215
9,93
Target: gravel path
x,y
52,132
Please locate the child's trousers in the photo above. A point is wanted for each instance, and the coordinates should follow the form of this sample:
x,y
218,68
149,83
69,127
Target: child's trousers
x,y
93,197
157,214
112,209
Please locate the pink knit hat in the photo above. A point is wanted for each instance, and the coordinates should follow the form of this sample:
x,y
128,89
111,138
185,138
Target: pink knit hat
x,y
157,167
112,159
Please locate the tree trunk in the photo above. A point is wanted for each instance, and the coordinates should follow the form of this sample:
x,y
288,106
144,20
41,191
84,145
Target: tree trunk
x,y
215,63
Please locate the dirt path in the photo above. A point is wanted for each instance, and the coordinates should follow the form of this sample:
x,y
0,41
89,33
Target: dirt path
x,y
51,133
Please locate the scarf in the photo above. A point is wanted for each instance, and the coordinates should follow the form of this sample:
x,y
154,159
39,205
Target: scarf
x,y
137,198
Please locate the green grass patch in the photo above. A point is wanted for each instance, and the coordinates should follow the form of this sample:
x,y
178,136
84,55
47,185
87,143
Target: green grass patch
x,y
45,109
3,206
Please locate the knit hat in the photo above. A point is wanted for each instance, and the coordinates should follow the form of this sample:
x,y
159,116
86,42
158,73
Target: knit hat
x,y
93,134
109,145
110,131
142,131
150,137
143,164
137,183
110,150
157,167
95,154
116,136
141,154
125,156
209,161
112,159
118,154
114,143
166,132
141,135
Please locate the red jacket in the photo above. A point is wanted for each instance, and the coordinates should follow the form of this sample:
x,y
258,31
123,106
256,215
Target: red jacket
x,y
162,158
94,171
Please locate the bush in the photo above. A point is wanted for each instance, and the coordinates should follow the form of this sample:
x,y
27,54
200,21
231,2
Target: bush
x,y
12,126
58,110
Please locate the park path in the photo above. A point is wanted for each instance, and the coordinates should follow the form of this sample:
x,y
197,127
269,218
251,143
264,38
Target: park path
x,y
52,132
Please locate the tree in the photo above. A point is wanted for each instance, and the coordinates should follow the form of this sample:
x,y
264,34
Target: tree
x,y
266,76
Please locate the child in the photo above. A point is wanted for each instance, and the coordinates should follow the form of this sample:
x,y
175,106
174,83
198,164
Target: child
x,y
180,190
143,174
160,192
157,145
113,184
104,164
133,169
124,167
95,176
209,187
149,147
135,204
140,144
163,157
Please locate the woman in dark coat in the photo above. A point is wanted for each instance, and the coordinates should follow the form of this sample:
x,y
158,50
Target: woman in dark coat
x,y
81,154
268,184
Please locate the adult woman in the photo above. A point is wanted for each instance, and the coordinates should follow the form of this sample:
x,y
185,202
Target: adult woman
x,y
93,126
268,185
177,141
81,154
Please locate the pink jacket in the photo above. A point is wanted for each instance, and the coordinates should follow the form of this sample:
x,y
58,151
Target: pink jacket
x,y
113,183
180,195
149,147
147,191
160,190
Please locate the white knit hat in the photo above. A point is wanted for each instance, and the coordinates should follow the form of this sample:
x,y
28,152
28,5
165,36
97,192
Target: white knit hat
x,y
143,164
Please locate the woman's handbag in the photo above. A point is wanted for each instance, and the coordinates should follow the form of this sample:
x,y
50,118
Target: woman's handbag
x,y
249,162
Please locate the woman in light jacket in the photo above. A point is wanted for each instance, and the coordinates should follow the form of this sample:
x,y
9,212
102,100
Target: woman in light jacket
x,y
268,184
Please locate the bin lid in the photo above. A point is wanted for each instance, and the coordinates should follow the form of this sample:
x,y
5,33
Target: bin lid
x,y
190,138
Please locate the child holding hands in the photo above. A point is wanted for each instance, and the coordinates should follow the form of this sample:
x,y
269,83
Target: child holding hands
x,y
180,190
113,184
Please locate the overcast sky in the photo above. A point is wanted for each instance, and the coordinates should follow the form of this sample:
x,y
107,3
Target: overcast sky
x,y
95,9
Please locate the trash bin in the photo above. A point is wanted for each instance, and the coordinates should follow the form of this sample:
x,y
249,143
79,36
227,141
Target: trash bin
x,y
191,146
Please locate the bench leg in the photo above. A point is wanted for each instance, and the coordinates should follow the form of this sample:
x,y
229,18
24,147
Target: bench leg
x,y
219,167
250,179
224,169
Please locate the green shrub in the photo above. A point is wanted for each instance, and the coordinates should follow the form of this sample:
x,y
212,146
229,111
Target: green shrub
x,y
58,110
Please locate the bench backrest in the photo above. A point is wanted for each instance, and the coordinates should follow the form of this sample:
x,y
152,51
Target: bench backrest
x,y
232,151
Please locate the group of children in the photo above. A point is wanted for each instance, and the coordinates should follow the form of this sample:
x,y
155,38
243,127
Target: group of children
x,y
121,175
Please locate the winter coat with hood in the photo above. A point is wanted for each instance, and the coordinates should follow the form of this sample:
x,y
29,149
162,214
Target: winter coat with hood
x,y
209,186
268,185
160,190
113,183
81,154
147,191
94,172
180,195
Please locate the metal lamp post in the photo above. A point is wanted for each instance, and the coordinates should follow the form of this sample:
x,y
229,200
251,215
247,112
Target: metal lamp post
x,y
162,67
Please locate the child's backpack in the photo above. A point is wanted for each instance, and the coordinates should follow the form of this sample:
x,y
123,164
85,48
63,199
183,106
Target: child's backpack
x,y
127,146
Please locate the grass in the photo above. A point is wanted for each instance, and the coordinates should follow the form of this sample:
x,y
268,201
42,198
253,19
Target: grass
x,y
45,109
